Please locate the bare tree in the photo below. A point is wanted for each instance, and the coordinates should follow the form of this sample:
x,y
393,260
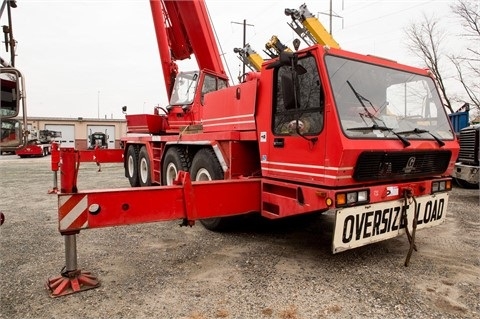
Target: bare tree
x,y
468,64
425,40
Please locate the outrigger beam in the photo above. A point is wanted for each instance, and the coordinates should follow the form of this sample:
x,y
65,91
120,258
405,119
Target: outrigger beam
x,y
185,201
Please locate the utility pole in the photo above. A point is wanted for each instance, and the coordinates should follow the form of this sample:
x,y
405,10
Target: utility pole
x,y
98,104
10,42
244,37
331,14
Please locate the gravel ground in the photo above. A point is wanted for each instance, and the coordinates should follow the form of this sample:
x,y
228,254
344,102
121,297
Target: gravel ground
x,y
274,270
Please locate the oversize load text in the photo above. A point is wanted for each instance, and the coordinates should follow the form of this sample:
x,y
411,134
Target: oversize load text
x,y
377,222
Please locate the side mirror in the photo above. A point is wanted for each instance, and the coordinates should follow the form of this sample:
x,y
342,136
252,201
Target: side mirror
x,y
291,98
10,94
285,58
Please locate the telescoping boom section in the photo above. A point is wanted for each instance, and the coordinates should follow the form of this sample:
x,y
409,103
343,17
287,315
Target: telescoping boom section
x,y
315,130
183,29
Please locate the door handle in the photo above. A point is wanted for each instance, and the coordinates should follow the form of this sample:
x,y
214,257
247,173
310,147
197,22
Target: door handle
x,y
278,142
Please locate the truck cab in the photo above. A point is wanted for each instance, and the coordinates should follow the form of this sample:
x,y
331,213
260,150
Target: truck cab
x,y
333,122
97,140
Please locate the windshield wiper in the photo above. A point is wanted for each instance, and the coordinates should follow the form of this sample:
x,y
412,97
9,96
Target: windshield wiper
x,y
420,131
381,128
360,99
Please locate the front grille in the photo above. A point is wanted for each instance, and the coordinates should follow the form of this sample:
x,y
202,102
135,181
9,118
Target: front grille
x,y
373,165
469,146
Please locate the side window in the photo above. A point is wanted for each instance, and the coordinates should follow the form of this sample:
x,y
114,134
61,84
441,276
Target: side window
x,y
209,84
212,83
298,101
221,84
11,131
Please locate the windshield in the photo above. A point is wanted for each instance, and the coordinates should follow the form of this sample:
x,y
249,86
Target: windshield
x,y
184,88
379,102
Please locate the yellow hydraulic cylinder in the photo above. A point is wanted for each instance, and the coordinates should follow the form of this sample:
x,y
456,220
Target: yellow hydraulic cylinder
x,y
250,57
255,60
319,33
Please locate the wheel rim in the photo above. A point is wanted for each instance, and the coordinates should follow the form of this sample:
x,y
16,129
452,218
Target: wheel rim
x,y
143,170
171,173
203,175
131,166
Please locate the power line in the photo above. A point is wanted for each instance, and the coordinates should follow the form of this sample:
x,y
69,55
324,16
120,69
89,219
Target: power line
x,y
388,14
331,14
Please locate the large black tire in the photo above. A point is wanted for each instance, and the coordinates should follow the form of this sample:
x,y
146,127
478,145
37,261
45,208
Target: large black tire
x,y
465,184
144,168
205,167
131,166
176,159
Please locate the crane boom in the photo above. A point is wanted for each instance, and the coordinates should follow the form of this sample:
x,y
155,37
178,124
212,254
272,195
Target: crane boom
x,y
182,29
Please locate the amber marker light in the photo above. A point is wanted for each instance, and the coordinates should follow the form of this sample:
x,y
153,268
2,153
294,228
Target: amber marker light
x,y
448,184
329,201
341,199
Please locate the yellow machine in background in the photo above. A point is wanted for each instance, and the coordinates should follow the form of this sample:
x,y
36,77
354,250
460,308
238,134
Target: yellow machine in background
x,y
304,23
309,28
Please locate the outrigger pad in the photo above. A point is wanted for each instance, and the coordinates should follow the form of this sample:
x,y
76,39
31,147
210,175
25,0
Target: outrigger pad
x,y
69,283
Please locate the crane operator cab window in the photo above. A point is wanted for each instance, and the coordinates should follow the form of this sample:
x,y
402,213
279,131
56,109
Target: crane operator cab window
x,y
299,99
184,88
186,84
212,83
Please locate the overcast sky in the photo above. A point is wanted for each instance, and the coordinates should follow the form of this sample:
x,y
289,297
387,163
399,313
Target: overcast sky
x,y
87,58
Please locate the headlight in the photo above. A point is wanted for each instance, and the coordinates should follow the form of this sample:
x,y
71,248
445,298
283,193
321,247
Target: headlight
x,y
363,196
352,198
441,186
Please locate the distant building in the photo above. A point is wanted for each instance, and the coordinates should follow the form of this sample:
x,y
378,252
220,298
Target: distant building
x,y
75,131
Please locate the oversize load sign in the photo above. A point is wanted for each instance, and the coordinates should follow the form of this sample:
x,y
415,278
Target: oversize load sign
x,y
362,225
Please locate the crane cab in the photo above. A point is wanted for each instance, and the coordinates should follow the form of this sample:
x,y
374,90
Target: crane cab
x,y
188,97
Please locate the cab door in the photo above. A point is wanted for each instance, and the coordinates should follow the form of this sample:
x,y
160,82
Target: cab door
x,y
292,141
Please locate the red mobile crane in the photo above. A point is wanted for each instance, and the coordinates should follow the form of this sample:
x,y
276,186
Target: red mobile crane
x,y
315,130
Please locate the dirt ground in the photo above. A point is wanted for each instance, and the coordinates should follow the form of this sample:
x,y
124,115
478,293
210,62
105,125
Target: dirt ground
x,y
274,270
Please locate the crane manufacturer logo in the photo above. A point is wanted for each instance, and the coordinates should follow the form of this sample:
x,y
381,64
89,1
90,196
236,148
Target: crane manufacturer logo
x,y
410,167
